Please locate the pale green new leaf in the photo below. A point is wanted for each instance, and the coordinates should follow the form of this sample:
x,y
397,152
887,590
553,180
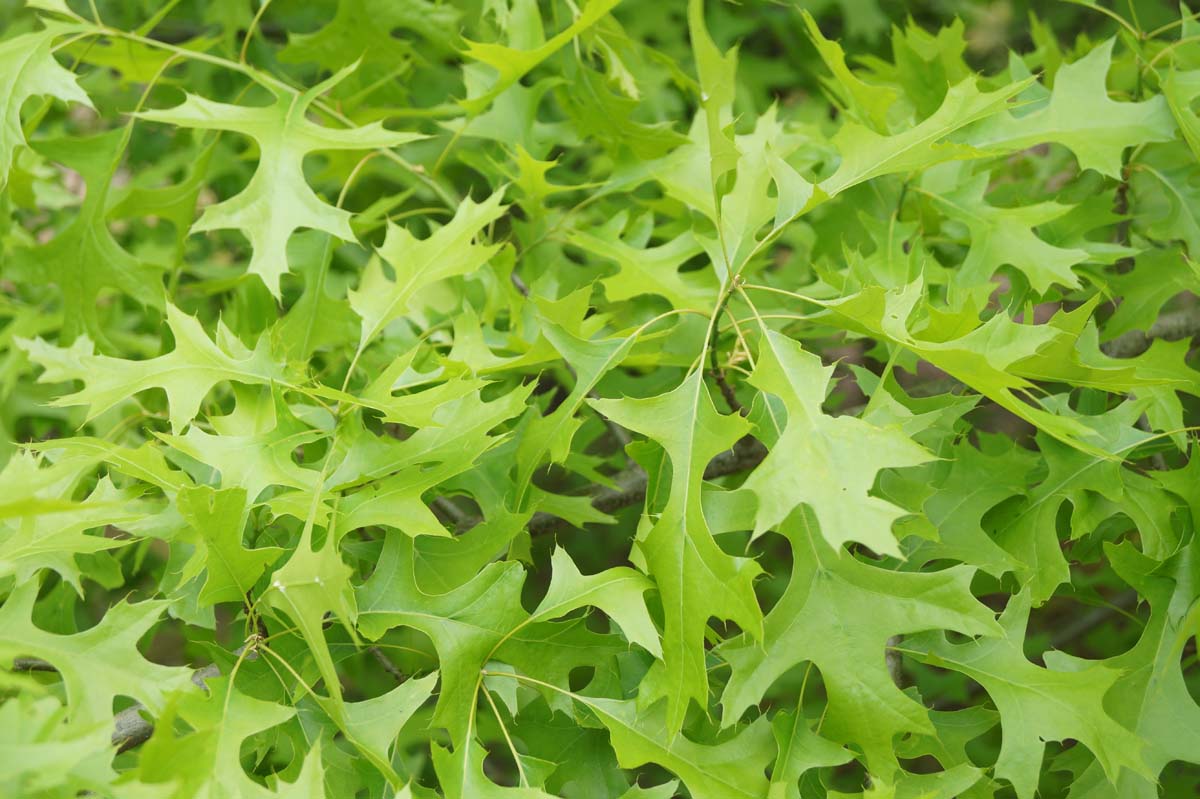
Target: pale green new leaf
x,y
462,777
30,70
416,263
979,355
1081,116
694,577
867,154
375,723
220,721
53,533
649,270
40,753
513,63
483,620
310,585
187,373
84,259
828,463
800,750
278,199
551,435
717,73
869,102
217,519
253,447
1005,236
1151,696
96,665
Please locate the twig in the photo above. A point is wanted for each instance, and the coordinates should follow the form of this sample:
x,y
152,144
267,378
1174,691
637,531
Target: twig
x,y
385,661
1171,326
130,727
450,510
718,376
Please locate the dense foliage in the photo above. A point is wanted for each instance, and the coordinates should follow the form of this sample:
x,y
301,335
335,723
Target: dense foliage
x,y
587,398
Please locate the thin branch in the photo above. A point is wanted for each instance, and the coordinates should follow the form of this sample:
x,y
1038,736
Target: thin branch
x,y
385,661
518,283
450,510
1171,326
714,365
730,396
130,727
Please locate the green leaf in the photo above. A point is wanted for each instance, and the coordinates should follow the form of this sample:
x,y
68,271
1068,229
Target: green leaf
x,y
1038,704
364,29
649,270
1163,182
96,665
513,63
252,447
695,579
827,463
417,263
1080,116
220,721
977,481
839,613
278,199
483,620
31,69
869,102
376,723
1005,237
551,435
717,72
867,154
217,519
42,754
43,528
84,259
1150,697
733,768
800,751
461,775
187,373
312,583
467,521
980,355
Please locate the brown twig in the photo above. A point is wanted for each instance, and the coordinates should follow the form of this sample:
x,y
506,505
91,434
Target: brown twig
x,y
735,405
1171,326
130,727
385,661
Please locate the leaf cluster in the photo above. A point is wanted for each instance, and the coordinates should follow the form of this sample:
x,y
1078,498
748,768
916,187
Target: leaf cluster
x,y
538,398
